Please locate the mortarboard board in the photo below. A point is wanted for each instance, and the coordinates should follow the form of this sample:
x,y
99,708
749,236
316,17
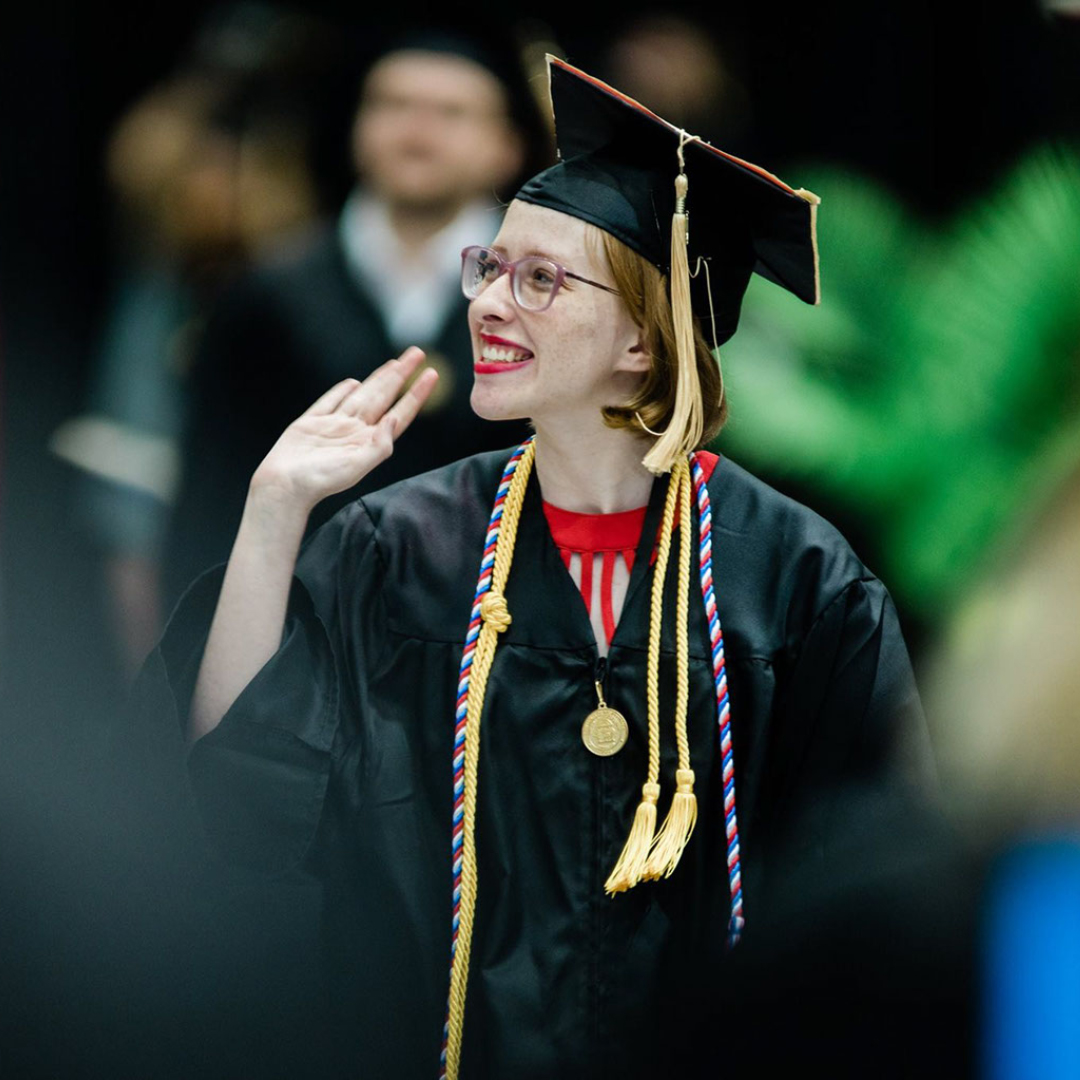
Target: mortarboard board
x,y
626,170
617,167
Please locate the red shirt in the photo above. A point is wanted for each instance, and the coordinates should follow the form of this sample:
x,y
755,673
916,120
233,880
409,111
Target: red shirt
x,y
603,539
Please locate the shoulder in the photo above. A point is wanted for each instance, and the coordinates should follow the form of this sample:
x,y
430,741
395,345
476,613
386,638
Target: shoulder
x,y
420,509
778,556
419,539
252,304
441,514
747,506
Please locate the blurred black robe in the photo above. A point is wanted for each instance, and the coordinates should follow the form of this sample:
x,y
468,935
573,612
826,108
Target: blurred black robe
x,y
336,760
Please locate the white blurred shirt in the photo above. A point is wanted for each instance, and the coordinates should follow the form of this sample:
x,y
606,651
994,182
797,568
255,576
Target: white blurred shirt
x,y
414,296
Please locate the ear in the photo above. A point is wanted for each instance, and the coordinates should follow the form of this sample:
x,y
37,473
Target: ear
x,y
635,358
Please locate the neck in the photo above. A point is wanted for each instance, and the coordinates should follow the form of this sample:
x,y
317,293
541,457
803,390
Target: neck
x,y
592,472
414,225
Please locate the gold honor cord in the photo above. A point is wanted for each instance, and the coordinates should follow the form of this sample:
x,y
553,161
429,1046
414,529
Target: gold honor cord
x,y
496,618
675,833
648,853
631,863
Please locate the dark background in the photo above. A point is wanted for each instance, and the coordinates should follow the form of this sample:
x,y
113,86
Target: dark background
x,y
933,100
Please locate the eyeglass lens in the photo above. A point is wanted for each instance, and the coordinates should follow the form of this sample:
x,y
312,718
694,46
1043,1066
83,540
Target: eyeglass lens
x,y
534,280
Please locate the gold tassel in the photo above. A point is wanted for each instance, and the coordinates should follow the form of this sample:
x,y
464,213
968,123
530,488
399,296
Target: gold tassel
x,y
631,865
687,418
675,832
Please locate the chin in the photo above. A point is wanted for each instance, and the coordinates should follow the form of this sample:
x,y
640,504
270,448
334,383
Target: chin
x,y
494,406
421,190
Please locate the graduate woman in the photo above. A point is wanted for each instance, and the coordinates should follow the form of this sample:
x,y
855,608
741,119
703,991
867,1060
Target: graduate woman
x,y
543,721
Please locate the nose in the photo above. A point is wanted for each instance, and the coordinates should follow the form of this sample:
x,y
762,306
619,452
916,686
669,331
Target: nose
x,y
496,303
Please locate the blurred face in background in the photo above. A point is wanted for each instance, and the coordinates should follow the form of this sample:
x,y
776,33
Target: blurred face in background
x,y
432,131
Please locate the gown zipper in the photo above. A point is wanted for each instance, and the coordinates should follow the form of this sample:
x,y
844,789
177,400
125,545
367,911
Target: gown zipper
x,y
598,874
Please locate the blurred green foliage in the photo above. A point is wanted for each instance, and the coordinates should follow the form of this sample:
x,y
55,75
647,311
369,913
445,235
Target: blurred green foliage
x,y
936,390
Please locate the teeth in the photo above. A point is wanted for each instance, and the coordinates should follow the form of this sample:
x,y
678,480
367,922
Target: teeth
x,y
497,355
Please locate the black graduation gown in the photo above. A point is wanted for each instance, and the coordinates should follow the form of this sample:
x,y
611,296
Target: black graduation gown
x,y
337,759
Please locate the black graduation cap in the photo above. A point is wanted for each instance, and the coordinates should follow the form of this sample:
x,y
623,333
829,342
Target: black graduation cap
x,y
617,169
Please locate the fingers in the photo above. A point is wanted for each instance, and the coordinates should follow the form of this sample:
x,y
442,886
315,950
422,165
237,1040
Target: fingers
x,y
410,403
333,398
371,398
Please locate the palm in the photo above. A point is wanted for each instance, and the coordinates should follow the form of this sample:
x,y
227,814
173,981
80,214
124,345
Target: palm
x,y
348,432
336,451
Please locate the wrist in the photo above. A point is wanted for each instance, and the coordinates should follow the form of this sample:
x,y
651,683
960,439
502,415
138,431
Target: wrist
x,y
275,508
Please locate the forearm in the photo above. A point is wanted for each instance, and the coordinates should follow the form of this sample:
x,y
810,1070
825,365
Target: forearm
x,y
250,616
331,447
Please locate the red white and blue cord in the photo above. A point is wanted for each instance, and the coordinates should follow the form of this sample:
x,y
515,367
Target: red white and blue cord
x,y
483,585
723,707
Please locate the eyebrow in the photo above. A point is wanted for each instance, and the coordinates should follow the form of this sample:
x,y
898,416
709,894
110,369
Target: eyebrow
x,y
535,252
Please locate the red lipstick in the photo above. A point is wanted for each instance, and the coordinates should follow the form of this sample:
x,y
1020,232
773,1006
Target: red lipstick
x,y
492,339
497,367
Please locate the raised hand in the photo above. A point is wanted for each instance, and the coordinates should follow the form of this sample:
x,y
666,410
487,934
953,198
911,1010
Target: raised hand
x,y
348,432
334,445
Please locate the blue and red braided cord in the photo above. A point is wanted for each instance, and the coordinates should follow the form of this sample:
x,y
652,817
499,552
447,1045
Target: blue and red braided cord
x,y
723,708
483,585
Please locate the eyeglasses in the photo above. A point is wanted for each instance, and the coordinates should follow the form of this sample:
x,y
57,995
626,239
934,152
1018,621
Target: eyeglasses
x,y
534,281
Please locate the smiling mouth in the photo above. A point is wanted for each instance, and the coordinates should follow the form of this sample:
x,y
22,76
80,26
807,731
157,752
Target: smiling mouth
x,y
503,354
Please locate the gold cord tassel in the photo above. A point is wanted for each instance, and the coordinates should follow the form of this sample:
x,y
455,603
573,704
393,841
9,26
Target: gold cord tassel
x,y
687,423
630,868
677,829
631,863
679,824
496,619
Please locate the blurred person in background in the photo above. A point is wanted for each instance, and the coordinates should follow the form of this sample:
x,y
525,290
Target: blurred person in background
x,y
677,64
444,128
436,138
208,168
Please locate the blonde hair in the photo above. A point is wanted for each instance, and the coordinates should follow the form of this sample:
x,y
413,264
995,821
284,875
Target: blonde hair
x,y
645,292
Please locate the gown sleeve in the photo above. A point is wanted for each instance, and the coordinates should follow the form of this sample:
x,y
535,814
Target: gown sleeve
x,y
260,778
851,767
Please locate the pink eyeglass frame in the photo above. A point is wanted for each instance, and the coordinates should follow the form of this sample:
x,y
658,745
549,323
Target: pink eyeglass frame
x,y
507,267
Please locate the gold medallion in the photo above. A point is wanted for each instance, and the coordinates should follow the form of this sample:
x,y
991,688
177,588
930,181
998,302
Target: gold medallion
x,y
605,730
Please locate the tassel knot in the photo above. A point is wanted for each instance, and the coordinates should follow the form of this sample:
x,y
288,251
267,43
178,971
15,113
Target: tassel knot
x,y
494,612
684,781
